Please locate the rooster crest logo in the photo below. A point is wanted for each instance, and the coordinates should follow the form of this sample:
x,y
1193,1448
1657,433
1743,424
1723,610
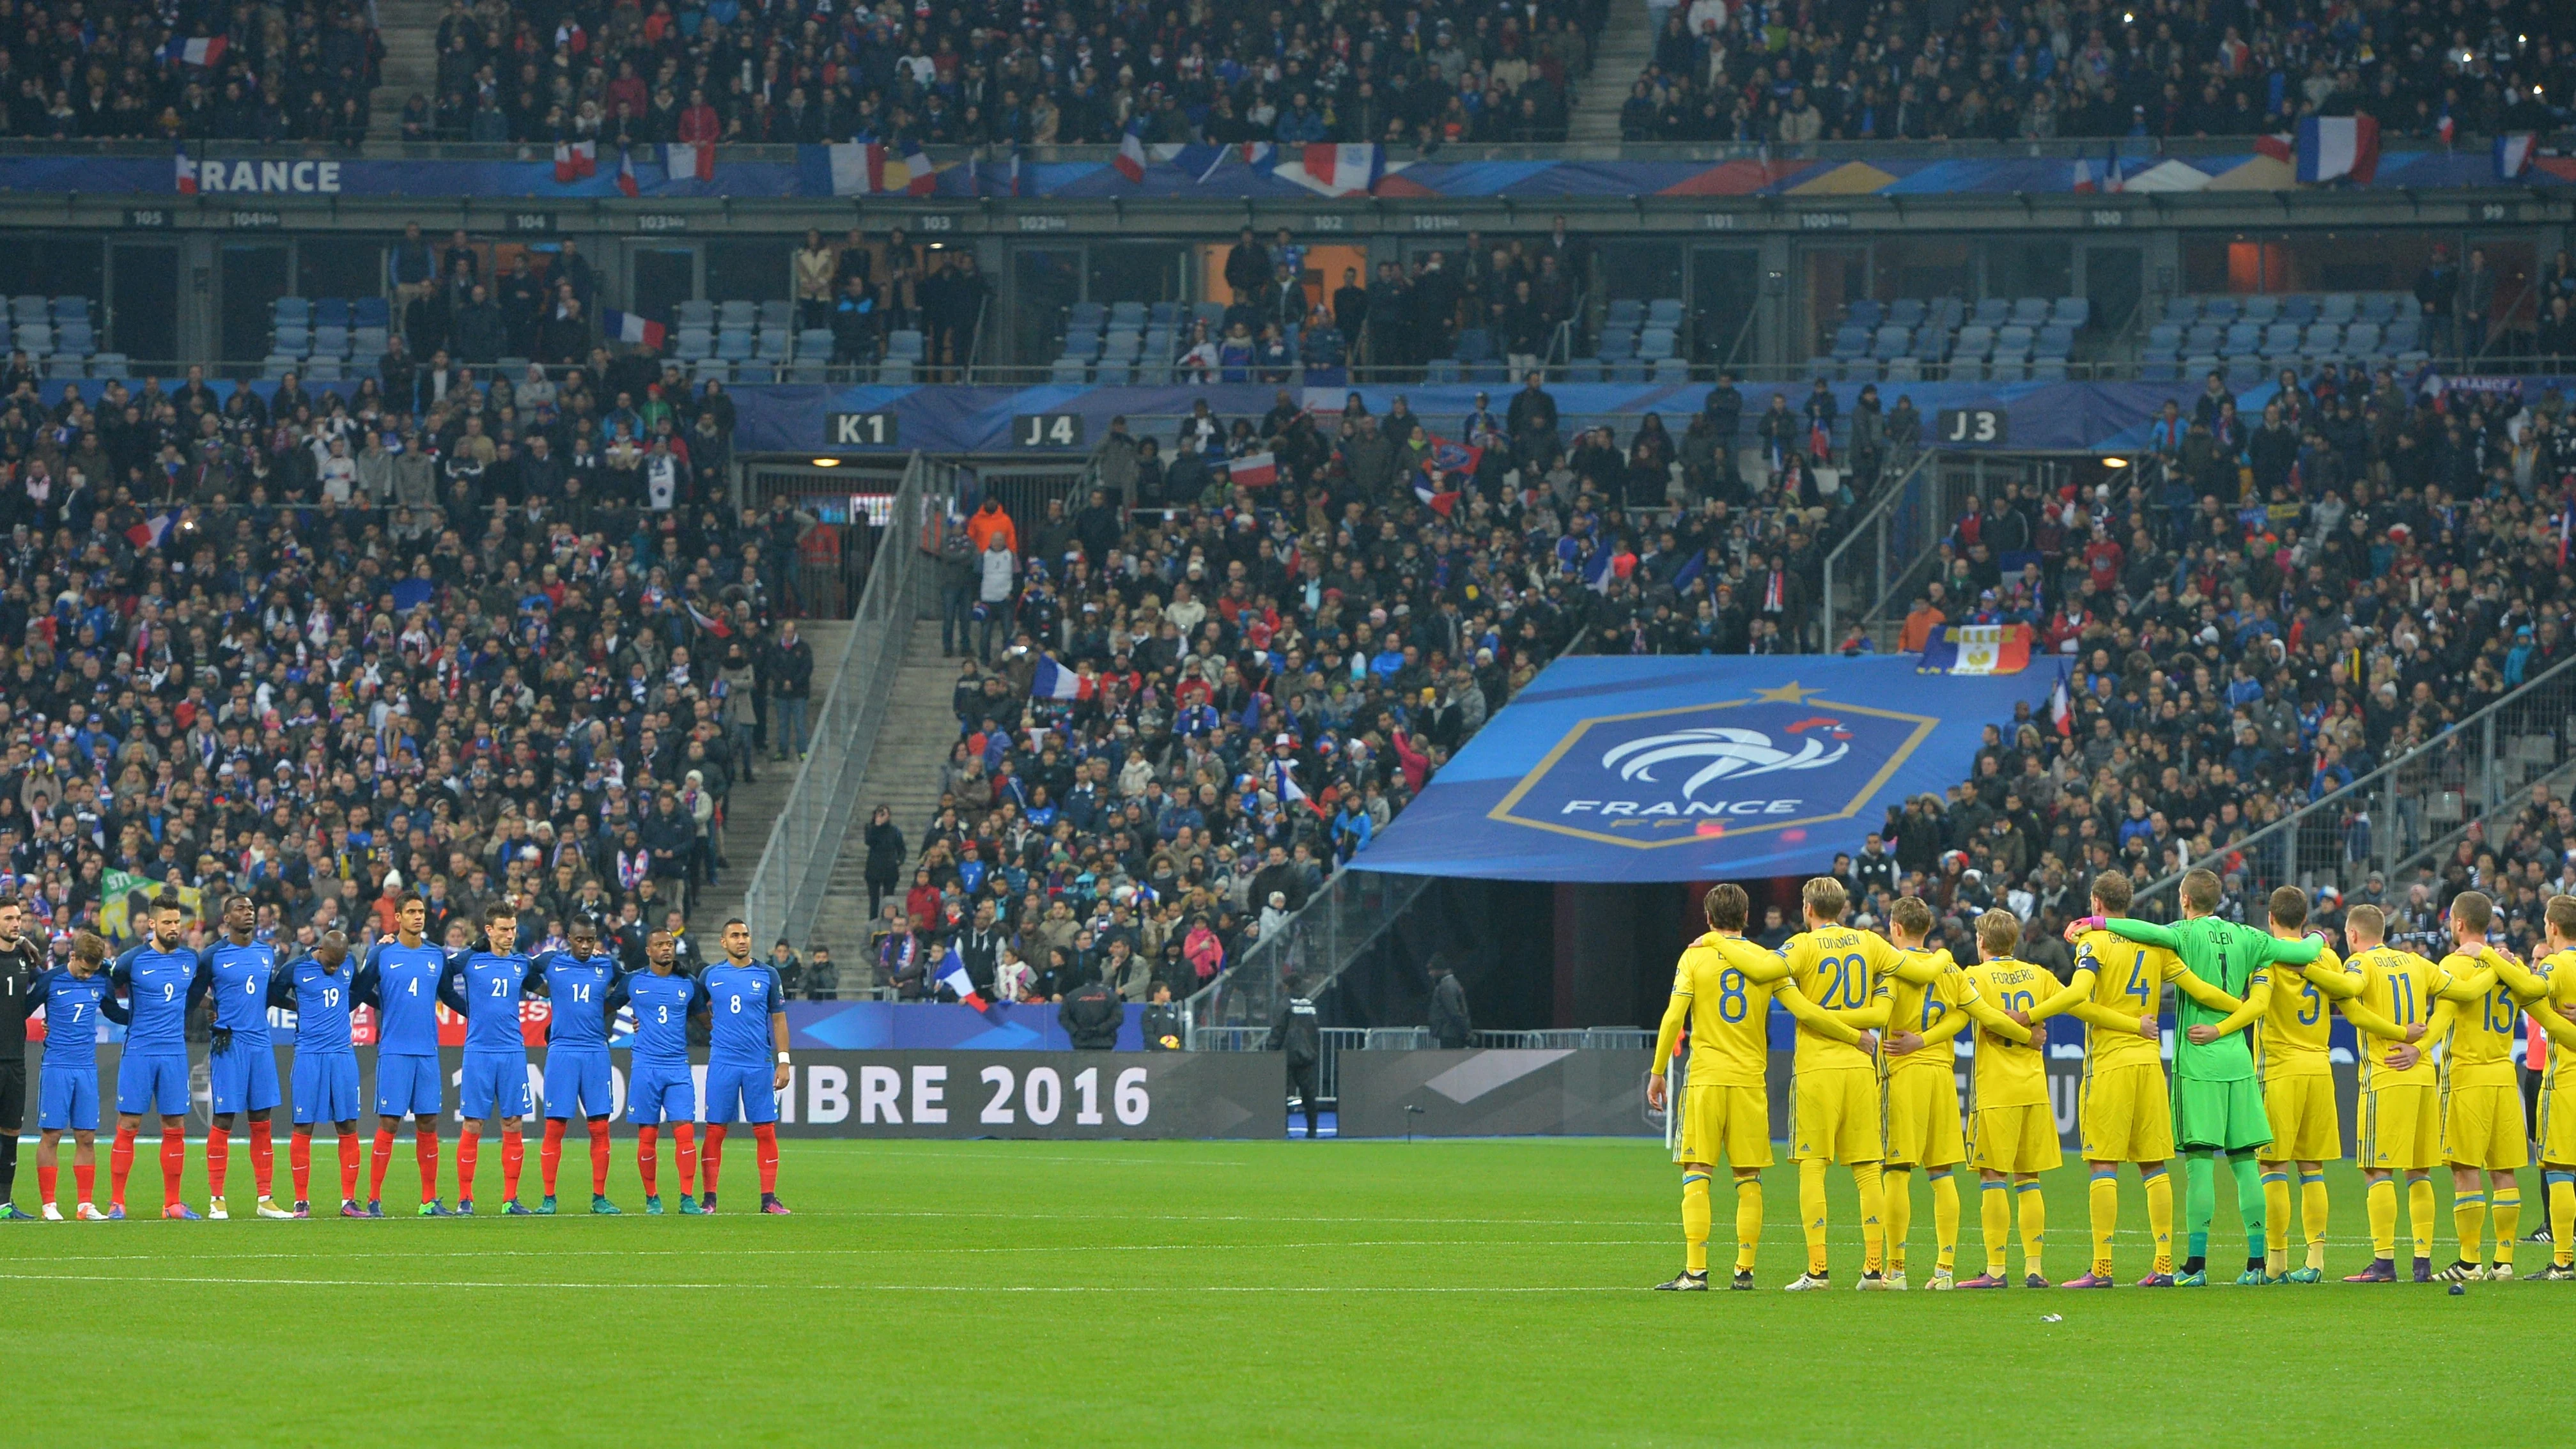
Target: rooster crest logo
x,y
1732,754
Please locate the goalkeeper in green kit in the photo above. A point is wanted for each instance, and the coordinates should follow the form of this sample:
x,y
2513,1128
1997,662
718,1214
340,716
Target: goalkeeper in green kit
x,y
2217,1101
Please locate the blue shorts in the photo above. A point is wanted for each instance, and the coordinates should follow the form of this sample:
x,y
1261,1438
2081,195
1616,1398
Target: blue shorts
x,y
659,1092
326,1087
67,1097
578,1078
741,1094
414,1085
152,1082
245,1078
495,1079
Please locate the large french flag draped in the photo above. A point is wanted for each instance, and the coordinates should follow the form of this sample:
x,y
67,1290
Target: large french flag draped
x,y
205,50
1976,649
184,175
1253,470
684,161
1054,681
575,160
1342,170
863,168
2513,152
1131,158
631,329
2333,148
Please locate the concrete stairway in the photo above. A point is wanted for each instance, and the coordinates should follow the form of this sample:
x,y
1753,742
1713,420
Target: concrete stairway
x,y
903,773
1627,44
755,806
410,32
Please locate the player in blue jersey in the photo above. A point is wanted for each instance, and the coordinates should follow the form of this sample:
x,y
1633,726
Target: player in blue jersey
x,y
658,1085
485,988
585,988
747,1004
400,978
318,990
162,981
242,1065
74,998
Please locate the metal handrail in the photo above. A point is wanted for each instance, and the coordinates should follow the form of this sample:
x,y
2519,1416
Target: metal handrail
x,y
1870,522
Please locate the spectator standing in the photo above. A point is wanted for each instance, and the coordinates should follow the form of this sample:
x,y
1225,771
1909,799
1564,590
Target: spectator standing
x,y
791,685
1091,1017
885,857
1451,1027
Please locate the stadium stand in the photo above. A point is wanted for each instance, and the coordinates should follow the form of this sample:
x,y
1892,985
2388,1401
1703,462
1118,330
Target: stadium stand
x,y
300,71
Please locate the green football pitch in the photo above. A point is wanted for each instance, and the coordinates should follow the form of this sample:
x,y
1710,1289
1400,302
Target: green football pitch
x,y
1335,1293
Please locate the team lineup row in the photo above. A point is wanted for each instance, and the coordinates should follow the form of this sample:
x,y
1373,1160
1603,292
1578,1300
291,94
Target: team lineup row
x,y
153,987
1875,1088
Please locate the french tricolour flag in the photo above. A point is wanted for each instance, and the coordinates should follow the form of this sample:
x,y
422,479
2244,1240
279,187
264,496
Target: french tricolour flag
x,y
1344,170
2332,148
631,329
1977,649
1131,158
924,177
2513,154
626,173
575,160
1054,681
952,975
205,50
184,175
697,161
1253,470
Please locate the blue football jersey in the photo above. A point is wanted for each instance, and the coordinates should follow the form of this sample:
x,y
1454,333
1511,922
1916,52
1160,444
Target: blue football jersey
x,y
241,978
584,994
322,1002
72,1005
160,986
662,1007
742,997
401,982
486,991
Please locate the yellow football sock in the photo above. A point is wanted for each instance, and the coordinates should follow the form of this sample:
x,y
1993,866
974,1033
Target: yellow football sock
x,y
2507,1203
1899,1184
2160,1217
2276,1214
1695,1221
2383,1218
2469,1219
2312,1216
1748,1221
1811,1210
2419,1214
1873,1216
2562,1218
1994,1212
1945,1218
2034,1226
2106,1218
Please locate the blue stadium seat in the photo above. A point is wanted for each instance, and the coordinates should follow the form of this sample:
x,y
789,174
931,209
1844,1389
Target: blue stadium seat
x,y
696,314
1655,344
1992,312
1905,312
1664,312
331,312
2075,312
2029,311
1127,315
2262,307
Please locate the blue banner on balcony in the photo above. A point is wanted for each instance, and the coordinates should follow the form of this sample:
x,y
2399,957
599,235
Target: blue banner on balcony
x,y
1658,769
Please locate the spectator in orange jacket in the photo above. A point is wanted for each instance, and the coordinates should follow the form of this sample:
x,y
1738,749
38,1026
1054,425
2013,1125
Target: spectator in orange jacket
x,y
989,520
1920,623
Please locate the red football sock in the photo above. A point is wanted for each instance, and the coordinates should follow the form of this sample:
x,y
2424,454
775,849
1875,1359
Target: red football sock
x,y
376,1169
645,1138
120,1165
711,1160
469,1144
174,1160
424,1150
219,1158
514,1153
599,1159
45,1179
684,1135
85,1180
299,1163
550,1155
263,1159
765,1136
349,1165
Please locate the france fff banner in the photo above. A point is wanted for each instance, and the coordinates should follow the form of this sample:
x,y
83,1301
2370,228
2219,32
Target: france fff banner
x,y
1656,769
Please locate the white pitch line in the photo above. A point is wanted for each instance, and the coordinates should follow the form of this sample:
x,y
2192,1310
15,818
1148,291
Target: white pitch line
x,y
779,1287
891,1251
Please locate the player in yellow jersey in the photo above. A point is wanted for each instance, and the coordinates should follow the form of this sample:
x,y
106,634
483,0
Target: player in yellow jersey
x,y
1921,1086
2013,1133
2549,994
2298,1092
1834,1111
2484,1136
1723,988
2124,1112
2396,1009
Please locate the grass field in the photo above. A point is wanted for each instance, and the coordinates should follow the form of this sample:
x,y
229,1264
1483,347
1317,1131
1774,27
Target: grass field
x,y
1341,1293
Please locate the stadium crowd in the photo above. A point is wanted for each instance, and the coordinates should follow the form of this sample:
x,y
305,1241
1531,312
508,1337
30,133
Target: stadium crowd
x,y
1723,70
300,70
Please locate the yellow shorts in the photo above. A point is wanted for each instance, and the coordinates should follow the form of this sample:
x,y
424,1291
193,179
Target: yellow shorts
x,y
2483,1127
1733,1122
2124,1116
2014,1139
2558,1123
2401,1127
2305,1126
1833,1114
1923,1118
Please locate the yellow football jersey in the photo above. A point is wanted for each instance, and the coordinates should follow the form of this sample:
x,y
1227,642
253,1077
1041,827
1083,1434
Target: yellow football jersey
x,y
2478,1050
2292,1038
1919,1009
2399,986
2558,973
2130,979
1729,1009
2010,1074
1840,968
